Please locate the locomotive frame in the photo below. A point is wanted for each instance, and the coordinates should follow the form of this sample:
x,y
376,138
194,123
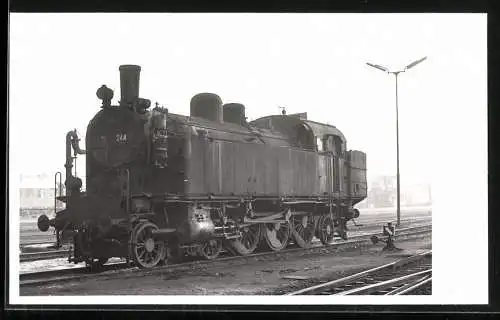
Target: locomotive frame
x,y
162,185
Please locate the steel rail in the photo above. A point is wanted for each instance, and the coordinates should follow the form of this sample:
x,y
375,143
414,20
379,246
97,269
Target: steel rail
x,y
317,289
43,255
44,240
46,255
368,289
53,254
415,286
371,222
34,243
409,284
36,278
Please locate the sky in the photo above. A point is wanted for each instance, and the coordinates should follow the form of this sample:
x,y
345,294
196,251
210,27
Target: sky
x,y
314,63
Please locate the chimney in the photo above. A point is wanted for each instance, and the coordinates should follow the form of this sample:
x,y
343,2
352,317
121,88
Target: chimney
x,y
129,84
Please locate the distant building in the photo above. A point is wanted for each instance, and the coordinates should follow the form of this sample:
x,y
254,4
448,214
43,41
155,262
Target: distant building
x,y
37,191
418,194
383,194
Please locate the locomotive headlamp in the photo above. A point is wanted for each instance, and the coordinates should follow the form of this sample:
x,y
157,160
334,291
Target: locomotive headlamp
x,y
105,94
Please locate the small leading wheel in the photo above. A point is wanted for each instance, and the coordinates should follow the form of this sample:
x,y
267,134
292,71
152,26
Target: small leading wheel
x,y
276,235
211,249
250,237
146,251
325,229
303,230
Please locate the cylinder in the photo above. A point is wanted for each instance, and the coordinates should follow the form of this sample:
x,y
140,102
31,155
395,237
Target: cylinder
x,y
234,113
207,106
129,84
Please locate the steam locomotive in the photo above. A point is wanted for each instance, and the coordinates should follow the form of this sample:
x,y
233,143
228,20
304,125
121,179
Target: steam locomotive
x,y
161,185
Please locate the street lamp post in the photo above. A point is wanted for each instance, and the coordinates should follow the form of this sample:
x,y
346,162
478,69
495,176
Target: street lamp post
x,y
396,73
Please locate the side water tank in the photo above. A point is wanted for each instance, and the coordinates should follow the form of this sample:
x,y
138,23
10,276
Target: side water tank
x,y
234,113
207,106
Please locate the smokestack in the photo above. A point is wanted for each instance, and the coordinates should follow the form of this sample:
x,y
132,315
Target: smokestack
x,y
129,84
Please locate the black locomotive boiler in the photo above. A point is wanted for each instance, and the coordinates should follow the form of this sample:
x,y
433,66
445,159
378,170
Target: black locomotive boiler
x,y
160,185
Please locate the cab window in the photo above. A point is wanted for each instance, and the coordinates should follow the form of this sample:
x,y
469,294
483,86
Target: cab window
x,y
319,144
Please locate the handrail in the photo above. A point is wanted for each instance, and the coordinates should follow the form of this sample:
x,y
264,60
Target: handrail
x,y
71,143
127,193
75,144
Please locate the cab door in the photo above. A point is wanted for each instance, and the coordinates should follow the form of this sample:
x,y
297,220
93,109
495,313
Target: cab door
x,y
333,165
325,167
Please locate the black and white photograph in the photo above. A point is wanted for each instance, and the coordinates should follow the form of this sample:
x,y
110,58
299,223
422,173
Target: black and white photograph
x,y
313,158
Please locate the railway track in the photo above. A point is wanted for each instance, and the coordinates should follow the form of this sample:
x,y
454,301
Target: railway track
x,y
36,240
43,255
30,234
51,254
122,268
411,275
